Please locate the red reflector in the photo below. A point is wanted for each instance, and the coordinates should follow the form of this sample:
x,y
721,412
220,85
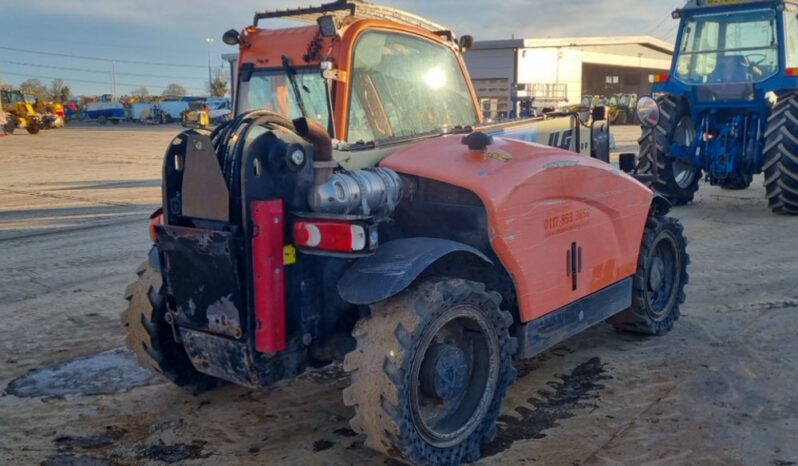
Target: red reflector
x,y
792,72
661,78
155,220
330,236
269,280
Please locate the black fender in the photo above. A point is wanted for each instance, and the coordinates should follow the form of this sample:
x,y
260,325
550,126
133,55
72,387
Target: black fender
x,y
660,204
395,266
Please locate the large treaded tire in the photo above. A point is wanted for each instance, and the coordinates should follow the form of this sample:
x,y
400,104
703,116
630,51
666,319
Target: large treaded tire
x,y
381,364
150,338
672,111
781,156
642,318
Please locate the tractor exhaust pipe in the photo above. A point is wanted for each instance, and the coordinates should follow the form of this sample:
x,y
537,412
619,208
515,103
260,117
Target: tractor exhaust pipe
x,y
323,163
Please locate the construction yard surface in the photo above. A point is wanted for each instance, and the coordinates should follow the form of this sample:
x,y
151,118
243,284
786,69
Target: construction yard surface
x,y
720,389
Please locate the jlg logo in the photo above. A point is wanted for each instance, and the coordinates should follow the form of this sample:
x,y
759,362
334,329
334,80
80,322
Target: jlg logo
x,y
561,139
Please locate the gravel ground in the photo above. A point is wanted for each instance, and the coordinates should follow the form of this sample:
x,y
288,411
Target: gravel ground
x,y
720,389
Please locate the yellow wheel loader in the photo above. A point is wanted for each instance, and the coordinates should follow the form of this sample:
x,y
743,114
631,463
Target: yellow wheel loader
x,y
19,113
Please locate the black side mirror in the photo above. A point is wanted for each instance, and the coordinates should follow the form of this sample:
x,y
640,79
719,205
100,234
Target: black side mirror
x,y
627,162
599,113
466,42
231,37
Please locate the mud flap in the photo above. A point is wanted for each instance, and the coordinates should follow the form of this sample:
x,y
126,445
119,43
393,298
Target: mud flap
x,y
203,279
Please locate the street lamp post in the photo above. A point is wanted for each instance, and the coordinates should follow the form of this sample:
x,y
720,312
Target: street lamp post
x,y
209,40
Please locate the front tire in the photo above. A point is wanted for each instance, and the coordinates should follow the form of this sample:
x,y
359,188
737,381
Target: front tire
x,y
33,127
150,338
676,179
430,371
658,285
781,156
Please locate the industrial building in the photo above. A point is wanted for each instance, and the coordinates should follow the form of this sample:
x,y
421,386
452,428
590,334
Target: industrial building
x,y
558,72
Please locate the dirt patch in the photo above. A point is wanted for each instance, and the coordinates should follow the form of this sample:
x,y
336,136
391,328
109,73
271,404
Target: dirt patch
x,y
567,396
111,371
104,439
345,432
174,453
321,445
68,459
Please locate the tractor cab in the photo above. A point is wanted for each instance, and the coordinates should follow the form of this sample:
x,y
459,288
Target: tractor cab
x,y
734,73
733,51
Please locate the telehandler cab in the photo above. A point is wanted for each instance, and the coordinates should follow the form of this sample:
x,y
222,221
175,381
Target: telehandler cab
x,y
357,210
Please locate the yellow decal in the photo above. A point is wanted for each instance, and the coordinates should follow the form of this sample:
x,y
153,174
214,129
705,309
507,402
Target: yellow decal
x,y
499,156
289,255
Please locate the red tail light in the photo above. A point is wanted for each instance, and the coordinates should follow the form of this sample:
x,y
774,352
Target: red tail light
x,y
661,78
330,235
792,72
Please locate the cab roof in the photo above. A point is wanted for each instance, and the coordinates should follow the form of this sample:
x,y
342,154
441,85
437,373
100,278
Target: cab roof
x,y
354,9
702,4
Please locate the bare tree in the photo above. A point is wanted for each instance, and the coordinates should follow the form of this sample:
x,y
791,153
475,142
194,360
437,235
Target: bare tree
x,y
59,91
35,88
218,86
142,93
174,91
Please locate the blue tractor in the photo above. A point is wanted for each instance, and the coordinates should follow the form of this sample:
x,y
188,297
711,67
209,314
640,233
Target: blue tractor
x,y
730,103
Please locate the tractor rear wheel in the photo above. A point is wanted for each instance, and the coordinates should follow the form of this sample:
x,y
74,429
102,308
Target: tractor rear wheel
x,y
150,337
781,156
658,285
430,371
678,180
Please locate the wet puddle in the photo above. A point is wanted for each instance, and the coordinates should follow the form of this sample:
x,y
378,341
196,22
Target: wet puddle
x,y
571,392
108,372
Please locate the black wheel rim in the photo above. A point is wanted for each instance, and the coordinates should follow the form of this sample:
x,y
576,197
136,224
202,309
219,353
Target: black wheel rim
x,y
463,336
662,276
683,172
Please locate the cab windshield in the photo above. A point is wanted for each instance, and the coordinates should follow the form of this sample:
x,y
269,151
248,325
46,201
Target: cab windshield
x,y
12,97
740,47
270,89
403,87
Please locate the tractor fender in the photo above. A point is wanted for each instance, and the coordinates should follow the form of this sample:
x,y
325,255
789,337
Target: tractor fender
x,y
660,204
395,266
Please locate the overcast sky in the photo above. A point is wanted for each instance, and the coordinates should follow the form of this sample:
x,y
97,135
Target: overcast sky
x,y
174,31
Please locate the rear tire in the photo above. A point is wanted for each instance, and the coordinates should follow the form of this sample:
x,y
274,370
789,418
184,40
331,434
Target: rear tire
x,y
150,337
441,351
677,180
658,284
781,156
